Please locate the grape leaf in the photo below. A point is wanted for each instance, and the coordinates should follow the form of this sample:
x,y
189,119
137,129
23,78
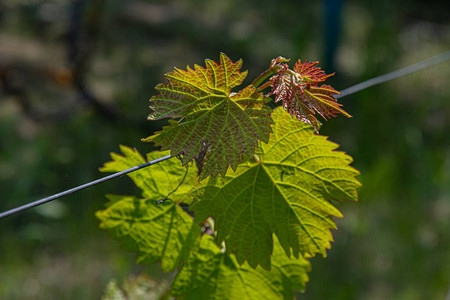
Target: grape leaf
x,y
286,190
210,274
155,231
302,97
215,126
160,181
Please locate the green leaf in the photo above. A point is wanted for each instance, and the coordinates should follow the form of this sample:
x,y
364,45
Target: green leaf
x,y
210,274
215,126
155,231
157,181
286,191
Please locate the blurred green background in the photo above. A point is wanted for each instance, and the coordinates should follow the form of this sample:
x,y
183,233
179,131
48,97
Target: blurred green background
x,y
75,77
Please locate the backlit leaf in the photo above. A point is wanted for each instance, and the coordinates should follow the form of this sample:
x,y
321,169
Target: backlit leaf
x,y
214,126
211,274
285,190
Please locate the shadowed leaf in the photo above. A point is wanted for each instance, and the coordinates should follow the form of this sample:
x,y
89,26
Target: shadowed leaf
x,y
155,231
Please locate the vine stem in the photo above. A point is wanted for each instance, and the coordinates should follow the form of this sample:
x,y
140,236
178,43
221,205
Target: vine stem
x,y
257,84
263,76
273,69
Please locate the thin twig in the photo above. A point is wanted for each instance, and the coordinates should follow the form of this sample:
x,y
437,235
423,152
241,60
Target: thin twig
x,y
173,191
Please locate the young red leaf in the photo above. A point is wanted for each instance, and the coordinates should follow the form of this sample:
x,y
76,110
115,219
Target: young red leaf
x,y
302,97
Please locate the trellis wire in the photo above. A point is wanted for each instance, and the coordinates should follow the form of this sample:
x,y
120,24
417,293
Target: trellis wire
x,y
81,187
395,74
345,92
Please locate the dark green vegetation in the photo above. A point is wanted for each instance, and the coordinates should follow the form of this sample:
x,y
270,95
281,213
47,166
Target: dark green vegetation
x,y
75,80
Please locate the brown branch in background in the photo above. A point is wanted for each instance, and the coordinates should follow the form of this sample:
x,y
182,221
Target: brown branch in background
x,y
81,42
12,86
16,76
26,64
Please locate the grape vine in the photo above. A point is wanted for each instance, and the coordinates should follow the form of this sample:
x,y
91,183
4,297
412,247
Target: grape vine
x,y
249,231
